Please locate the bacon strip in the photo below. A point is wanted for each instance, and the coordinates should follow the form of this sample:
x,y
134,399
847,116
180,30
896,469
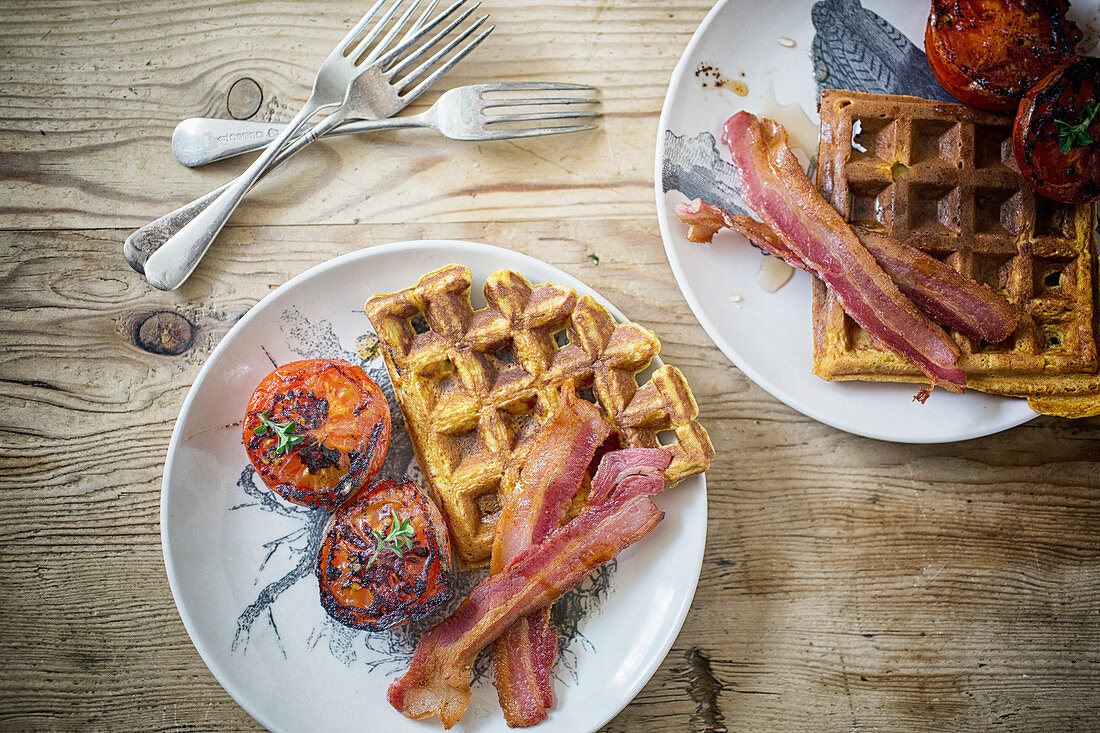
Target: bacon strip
x,y
550,477
438,680
524,655
948,298
774,185
706,219
945,296
630,472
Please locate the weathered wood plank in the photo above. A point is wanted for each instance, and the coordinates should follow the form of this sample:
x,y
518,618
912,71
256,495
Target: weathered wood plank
x,y
848,584
92,96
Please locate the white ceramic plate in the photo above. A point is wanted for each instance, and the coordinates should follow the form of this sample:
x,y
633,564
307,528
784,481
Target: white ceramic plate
x,y
767,335
240,567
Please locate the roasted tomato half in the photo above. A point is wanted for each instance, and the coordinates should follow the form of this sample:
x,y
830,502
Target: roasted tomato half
x,y
385,558
1056,137
988,53
317,430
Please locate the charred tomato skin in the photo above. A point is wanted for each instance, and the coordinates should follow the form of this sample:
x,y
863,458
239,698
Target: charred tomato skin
x,y
392,589
344,423
1072,177
988,53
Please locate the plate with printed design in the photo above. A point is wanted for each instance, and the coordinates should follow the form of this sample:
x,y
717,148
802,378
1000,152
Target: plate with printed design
x,y
241,561
775,64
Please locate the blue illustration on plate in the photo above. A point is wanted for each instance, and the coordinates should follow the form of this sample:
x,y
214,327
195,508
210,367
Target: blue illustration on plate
x,y
694,167
853,49
293,554
858,50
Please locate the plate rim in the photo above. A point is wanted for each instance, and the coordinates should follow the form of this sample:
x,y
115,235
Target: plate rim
x,y
658,651
713,332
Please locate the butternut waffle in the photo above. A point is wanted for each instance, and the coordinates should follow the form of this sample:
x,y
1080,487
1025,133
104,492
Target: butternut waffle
x,y
942,177
475,385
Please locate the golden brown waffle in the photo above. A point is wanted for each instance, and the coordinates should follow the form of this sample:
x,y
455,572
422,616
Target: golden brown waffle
x,y
942,177
475,385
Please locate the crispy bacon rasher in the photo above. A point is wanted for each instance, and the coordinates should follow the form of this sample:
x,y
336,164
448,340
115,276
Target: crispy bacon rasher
x,y
948,298
524,655
630,472
438,680
776,188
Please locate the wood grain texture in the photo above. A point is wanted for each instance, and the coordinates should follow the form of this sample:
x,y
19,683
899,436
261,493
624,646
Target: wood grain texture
x,y
92,96
848,584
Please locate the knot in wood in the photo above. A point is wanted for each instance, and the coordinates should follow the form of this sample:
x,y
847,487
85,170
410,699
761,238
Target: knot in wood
x,y
704,689
244,98
165,332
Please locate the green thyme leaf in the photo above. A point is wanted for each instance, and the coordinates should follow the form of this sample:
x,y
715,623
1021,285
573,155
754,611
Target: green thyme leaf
x,y
398,538
287,438
1070,136
594,258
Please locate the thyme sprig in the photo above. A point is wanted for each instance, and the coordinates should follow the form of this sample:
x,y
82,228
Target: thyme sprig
x,y
1071,135
283,431
396,540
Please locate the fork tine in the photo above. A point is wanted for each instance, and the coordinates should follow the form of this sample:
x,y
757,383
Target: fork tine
x,y
419,71
422,33
535,132
492,119
420,21
379,47
534,101
342,46
458,56
400,67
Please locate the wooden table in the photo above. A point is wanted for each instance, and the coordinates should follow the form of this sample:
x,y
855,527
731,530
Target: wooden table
x,y
848,584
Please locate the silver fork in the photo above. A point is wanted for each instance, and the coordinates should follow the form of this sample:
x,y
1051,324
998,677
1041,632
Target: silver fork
x,y
464,113
146,240
366,78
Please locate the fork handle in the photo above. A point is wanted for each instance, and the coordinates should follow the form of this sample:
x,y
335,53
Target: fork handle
x,y
201,140
177,258
144,241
